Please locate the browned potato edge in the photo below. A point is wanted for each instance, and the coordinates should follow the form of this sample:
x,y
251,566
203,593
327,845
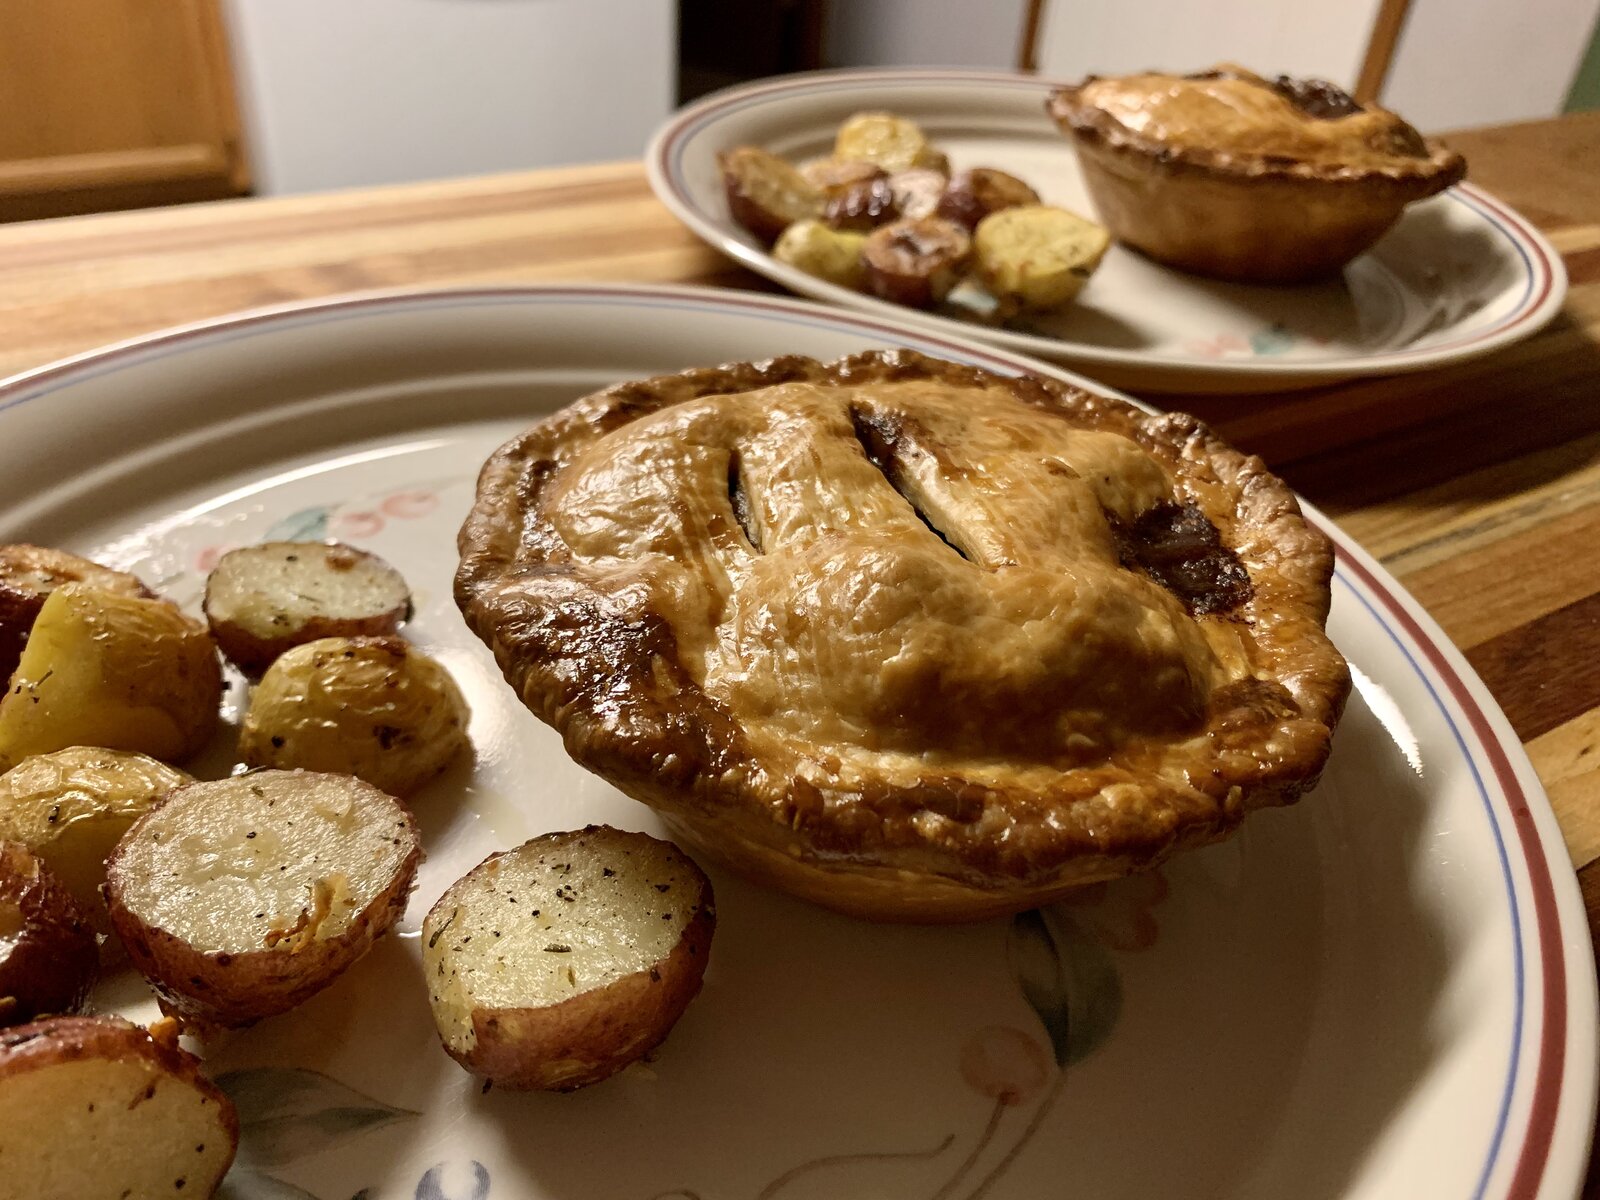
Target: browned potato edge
x,y
594,1035
54,957
234,990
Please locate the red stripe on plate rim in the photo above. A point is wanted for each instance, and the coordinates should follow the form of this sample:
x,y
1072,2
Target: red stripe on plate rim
x,y
1546,1100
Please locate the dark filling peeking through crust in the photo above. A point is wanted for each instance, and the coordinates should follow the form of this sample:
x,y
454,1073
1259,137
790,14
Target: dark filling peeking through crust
x,y
1317,98
1177,546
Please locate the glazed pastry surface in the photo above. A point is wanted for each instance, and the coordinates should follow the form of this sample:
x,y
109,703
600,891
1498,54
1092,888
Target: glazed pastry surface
x,y
958,601
1244,115
904,637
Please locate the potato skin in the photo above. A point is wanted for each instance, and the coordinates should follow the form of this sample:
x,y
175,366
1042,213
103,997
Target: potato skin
x,y
56,1041
862,206
893,143
252,651
973,195
917,192
594,1035
28,574
596,1032
375,708
235,990
106,669
831,254
1037,256
831,176
765,193
70,809
49,961
916,263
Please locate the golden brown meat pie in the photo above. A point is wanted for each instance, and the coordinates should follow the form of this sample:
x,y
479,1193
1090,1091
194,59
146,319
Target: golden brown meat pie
x,y
908,639
1229,174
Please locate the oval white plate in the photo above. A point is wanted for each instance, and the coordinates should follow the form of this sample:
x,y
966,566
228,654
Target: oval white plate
x,y
1384,991
1459,275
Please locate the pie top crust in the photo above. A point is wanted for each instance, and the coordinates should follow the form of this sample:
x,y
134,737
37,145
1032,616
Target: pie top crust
x,y
1233,120
900,613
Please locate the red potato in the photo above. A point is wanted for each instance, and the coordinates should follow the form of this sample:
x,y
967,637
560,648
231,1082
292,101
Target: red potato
x,y
71,808
28,574
95,1108
240,898
376,708
555,965
265,599
916,263
973,195
49,955
103,668
862,206
766,194
917,192
831,176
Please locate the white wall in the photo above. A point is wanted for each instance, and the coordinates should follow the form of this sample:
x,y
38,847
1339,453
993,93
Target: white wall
x,y
923,33
338,93
1274,37
1484,62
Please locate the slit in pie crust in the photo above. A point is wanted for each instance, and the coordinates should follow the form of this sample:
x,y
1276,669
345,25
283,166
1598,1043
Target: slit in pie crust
x,y
908,639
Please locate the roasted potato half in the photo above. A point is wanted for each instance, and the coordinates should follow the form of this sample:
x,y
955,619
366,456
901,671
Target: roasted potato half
x,y
555,965
893,143
95,1108
862,206
71,808
377,708
916,263
49,955
831,254
830,176
28,574
1037,256
262,600
973,195
766,194
102,668
917,192
243,897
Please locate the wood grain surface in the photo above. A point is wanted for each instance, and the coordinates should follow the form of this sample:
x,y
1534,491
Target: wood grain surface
x,y
1477,485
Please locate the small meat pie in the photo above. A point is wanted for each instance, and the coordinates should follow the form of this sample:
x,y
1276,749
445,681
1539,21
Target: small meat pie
x,y
905,638
1228,174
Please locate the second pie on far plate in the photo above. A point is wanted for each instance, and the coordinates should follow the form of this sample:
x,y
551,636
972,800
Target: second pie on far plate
x,y
1232,175
908,639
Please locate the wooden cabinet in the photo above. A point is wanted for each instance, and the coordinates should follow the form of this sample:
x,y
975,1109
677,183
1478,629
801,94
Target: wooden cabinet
x,y
114,104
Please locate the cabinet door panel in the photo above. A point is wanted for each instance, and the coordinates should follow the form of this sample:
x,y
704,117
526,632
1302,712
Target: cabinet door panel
x,y
114,103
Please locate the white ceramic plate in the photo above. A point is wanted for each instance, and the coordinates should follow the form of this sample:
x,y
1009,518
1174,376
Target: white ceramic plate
x,y
1385,991
1459,275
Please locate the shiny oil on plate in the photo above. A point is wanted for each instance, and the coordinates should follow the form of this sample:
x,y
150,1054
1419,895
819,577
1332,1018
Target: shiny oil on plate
x,y
1386,990
1460,275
